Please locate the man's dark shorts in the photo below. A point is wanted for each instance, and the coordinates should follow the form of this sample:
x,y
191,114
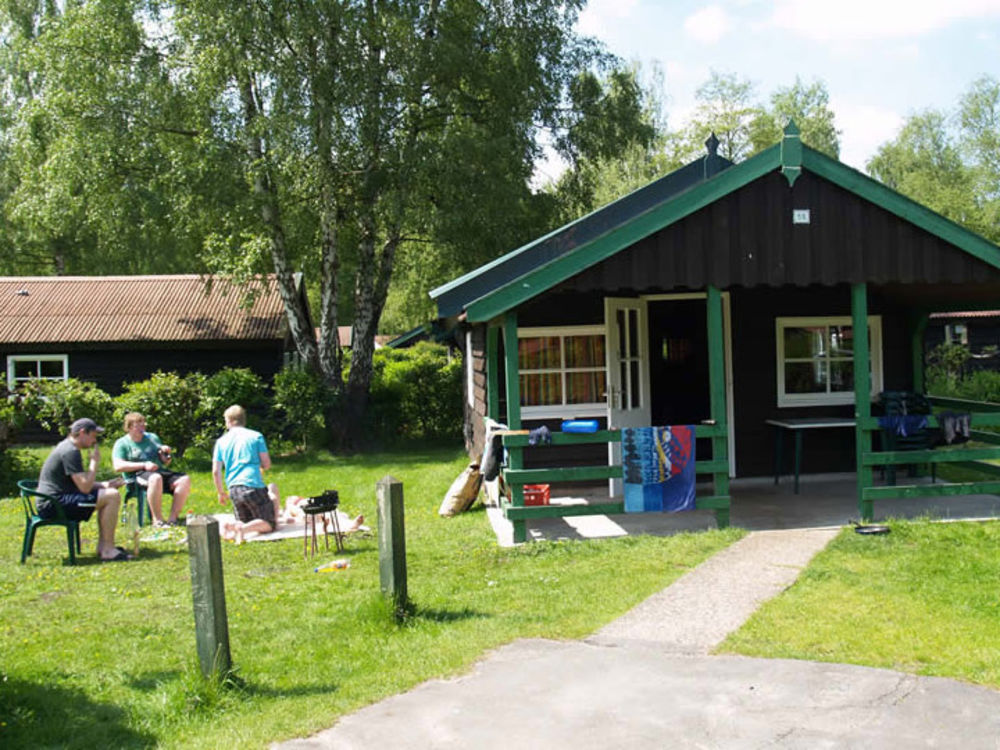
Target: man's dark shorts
x,y
76,506
170,478
252,502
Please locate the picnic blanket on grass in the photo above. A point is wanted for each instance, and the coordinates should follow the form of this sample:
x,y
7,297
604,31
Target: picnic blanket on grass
x,y
658,468
288,530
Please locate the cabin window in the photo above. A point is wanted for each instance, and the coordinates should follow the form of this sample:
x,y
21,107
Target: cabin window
x,y
24,367
956,333
562,371
816,360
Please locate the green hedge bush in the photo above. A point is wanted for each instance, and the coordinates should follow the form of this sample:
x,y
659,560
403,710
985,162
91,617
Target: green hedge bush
x,y
416,393
171,404
56,404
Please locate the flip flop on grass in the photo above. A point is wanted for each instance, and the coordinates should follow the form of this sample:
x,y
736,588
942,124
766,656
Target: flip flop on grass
x,y
121,556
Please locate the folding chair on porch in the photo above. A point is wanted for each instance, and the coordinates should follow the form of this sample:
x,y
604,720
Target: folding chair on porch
x,y
902,404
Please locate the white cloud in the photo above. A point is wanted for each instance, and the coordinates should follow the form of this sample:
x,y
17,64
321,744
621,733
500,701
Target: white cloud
x,y
707,25
598,15
864,127
850,20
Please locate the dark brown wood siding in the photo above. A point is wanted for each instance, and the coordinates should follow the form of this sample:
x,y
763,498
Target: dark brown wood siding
x,y
755,397
473,431
747,238
110,365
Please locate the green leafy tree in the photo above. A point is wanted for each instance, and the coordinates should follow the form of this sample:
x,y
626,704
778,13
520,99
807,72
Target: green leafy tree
x,y
89,137
809,106
728,106
358,125
950,162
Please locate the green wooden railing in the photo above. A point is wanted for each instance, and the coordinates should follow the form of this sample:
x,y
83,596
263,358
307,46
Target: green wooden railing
x,y
515,477
983,414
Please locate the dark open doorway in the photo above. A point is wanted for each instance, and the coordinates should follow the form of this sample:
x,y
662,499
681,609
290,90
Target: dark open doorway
x,y
678,362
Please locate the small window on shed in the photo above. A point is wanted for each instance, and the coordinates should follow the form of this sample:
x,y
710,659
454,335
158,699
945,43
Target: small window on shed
x,y
24,367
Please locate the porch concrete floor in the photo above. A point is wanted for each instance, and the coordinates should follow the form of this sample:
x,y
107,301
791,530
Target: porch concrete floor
x,y
824,500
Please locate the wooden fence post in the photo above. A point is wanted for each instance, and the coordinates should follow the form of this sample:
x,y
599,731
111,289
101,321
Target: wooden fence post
x,y
210,623
391,541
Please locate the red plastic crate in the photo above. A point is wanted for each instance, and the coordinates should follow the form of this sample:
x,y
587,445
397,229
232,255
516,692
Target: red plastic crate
x,y
536,494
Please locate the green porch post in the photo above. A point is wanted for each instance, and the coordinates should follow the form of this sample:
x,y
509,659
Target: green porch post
x,y
917,330
862,394
492,373
717,386
514,417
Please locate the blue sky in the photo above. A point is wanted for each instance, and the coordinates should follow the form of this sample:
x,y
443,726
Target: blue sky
x,y
881,60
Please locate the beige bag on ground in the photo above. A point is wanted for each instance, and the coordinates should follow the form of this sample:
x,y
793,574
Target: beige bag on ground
x,y
462,493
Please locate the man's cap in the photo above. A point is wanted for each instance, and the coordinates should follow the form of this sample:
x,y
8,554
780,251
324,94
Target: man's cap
x,y
86,424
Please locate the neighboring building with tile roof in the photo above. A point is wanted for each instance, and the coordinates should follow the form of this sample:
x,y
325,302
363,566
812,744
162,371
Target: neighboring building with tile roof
x,y
116,329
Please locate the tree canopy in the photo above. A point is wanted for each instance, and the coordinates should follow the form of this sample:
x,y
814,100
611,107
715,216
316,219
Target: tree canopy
x,y
950,162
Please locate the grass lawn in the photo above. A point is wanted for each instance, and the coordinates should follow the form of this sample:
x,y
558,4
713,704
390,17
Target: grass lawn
x,y
103,655
922,599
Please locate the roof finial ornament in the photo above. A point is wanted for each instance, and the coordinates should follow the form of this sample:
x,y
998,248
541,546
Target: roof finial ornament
x,y
791,153
712,144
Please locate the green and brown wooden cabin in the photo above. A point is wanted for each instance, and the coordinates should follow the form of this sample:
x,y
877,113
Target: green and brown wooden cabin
x,y
720,295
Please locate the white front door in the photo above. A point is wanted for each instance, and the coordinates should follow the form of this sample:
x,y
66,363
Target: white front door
x,y
628,371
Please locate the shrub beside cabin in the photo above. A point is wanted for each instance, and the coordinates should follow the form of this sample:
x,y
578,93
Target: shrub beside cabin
x,y
721,295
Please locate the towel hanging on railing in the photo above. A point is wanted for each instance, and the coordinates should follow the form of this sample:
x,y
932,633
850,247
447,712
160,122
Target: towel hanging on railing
x,y
658,466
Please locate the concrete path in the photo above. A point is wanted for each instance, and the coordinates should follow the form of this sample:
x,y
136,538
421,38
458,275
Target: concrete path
x,y
647,681
702,607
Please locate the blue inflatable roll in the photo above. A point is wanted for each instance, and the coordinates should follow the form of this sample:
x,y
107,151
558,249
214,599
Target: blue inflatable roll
x,y
579,425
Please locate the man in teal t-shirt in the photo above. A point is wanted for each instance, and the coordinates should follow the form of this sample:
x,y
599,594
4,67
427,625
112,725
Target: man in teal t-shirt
x,y
242,454
142,456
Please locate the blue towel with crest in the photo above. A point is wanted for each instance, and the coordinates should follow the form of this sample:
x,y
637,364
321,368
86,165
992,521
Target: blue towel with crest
x,y
658,468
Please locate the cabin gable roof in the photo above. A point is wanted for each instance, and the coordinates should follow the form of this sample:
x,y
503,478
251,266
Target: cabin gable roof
x,y
790,158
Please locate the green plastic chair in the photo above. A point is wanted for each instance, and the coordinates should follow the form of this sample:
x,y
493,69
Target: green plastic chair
x,y
33,521
135,490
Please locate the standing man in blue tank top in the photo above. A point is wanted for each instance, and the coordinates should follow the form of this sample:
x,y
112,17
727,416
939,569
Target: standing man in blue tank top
x,y
242,454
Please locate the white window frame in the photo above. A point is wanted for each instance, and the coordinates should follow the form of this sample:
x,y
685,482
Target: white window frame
x,y
830,398
12,359
596,409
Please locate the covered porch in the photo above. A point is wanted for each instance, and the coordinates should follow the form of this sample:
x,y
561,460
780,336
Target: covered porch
x,y
757,504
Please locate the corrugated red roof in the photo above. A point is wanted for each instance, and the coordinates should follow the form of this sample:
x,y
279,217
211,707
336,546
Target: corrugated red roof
x,y
968,314
55,309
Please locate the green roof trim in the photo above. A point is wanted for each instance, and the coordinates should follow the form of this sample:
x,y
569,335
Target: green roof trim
x,y
544,277
905,208
404,338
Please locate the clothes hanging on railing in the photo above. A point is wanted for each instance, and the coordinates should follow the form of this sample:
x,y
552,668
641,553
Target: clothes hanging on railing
x,y
658,466
540,436
492,451
903,424
954,427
